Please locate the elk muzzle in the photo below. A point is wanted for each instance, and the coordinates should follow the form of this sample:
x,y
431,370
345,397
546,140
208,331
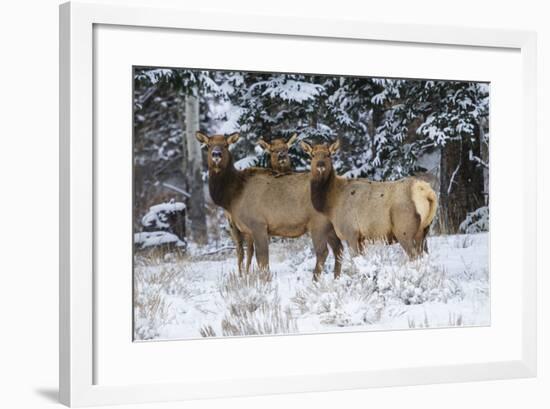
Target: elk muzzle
x,y
216,156
321,167
282,157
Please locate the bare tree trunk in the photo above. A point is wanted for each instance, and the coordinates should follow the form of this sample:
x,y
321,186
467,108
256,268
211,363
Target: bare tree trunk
x,y
484,141
193,172
461,189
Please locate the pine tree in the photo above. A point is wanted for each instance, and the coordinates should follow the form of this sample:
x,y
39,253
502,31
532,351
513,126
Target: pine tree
x,y
387,127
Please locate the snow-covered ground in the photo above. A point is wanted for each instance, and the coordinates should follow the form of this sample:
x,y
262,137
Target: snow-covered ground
x,y
182,297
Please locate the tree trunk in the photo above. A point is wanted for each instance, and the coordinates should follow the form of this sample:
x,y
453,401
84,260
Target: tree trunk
x,y
485,158
193,172
461,189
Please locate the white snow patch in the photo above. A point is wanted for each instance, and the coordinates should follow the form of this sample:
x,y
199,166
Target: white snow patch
x,y
379,290
157,214
157,238
246,162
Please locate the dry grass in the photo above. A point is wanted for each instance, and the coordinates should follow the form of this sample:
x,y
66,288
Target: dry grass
x,y
207,331
267,319
252,307
151,310
463,241
157,255
413,324
455,320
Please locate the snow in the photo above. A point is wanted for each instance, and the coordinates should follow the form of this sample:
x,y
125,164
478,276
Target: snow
x,y
476,221
246,162
157,214
430,160
156,74
156,238
290,90
380,290
225,117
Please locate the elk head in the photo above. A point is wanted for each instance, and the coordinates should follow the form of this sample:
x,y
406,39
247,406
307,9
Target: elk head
x,y
219,157
278,152
321,159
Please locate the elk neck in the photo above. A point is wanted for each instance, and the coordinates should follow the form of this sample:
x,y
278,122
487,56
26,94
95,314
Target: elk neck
x,y
320,191
225,184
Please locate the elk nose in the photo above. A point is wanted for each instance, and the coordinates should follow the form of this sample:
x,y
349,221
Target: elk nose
x,y
216,156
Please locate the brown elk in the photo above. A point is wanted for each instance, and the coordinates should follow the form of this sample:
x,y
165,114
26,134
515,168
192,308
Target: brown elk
x,y
261,205
278,154
362,210
280,165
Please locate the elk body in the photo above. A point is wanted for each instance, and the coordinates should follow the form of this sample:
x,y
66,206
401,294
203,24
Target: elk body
x,y
280,165
278,154
362,210
261,205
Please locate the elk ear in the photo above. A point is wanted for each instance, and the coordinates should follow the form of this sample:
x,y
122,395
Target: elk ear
x,y
334,147
306,147
202,138
265,146
292,140
234,137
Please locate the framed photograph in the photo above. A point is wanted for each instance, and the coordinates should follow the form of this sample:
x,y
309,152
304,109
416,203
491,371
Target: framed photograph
x,y
256,204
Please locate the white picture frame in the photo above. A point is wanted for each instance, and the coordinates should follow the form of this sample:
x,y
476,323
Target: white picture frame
x,y
78,387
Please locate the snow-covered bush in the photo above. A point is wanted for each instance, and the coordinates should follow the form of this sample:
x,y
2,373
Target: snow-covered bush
x,y
351,300
383,275
410,281
476,221
417,284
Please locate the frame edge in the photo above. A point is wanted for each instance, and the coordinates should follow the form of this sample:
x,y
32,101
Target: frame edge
x,y
74,386
64,204
530,331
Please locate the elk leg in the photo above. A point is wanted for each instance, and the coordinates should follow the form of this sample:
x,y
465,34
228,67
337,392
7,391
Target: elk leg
x,y
320,236
336,246
321,251
406,225
261,242
356,245
249,253
425,240
237,237
419,242
408,245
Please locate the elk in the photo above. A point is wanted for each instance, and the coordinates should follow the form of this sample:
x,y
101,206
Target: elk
x,y
278,154
261,205
362,210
